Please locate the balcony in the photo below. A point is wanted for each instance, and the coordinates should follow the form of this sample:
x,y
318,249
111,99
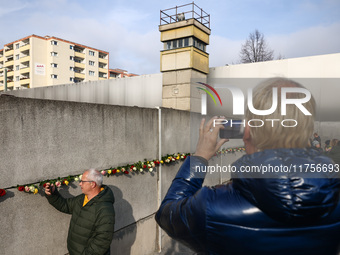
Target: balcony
x,y
25,82
10,73
10,84
25,70
79,54
79,65
9,52
102,70
25,47
9,63
103,61
79,75
25,59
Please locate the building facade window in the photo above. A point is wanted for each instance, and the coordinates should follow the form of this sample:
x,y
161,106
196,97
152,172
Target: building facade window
x,y
71,68
17,57
54,76
71,79
71,47
91,52
53,42
185,42
91,63
54,65
71,58
17,46
17,68
17,78
54,54
91,73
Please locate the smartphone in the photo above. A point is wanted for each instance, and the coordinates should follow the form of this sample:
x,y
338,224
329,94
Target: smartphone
x,y
233,129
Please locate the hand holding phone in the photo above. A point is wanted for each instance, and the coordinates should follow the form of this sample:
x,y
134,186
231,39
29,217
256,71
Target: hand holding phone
x,y
233,129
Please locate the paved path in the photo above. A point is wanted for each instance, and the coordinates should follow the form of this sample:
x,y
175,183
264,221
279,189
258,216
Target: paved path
x,y
175,248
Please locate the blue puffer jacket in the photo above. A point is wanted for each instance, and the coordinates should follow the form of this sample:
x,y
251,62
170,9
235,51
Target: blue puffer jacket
x,y
279,213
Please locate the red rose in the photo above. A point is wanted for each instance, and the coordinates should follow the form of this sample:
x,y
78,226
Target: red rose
x,y
44,185
2,192
21,188
114,171
144,166
126,172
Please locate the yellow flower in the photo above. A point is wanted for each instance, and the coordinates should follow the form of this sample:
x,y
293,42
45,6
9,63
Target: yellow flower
x,y
109,171
66,182
35,191
118,171
162,161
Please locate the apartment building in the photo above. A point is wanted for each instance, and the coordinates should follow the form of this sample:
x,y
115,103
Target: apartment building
x,y
36,61
120,73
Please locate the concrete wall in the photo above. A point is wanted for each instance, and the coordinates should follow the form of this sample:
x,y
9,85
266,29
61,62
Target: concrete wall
x,y
42,139
142,91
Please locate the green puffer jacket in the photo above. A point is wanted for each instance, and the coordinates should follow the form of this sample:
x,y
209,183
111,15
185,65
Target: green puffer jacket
x,y
92,226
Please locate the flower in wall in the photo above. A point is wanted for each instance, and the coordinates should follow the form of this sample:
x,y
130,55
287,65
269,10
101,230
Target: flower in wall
x,y
141,166
21,188
58,184
2,192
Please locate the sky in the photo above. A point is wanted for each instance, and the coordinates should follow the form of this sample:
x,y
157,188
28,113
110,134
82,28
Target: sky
x,y
128,29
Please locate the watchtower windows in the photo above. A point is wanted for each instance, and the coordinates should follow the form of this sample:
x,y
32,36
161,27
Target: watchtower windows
x,y
185,42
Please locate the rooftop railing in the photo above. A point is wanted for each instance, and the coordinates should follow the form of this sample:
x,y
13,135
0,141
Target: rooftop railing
x,y
183,12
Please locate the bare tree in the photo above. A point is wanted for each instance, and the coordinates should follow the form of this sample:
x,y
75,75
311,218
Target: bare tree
x,y
255,49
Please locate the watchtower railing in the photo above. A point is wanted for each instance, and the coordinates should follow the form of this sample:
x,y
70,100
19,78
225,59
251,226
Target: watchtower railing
x,y
183,12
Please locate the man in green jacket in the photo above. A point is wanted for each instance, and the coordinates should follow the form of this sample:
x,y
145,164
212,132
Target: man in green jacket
x,y
93,217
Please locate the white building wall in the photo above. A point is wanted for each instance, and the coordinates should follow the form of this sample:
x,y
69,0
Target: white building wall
x,y
322,66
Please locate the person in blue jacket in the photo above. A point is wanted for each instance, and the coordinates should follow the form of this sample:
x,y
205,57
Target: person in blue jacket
x,y
292,209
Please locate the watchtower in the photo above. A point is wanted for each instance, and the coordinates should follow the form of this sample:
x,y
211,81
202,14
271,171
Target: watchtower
x,y
185,32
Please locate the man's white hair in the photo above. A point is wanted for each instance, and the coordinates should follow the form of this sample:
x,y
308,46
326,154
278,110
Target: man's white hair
x,y
95,175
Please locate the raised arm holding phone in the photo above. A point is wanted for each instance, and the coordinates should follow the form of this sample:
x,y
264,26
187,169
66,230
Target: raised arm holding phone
x,y
280,212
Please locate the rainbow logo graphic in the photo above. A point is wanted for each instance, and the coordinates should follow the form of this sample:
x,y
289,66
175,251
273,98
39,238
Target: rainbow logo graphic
x,y
204,97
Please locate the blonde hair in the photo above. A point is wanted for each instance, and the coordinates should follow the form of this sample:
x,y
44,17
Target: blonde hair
x,y
334,142
273,135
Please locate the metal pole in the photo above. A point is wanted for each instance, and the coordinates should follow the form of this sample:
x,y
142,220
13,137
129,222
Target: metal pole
x,y
159,181
5,80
